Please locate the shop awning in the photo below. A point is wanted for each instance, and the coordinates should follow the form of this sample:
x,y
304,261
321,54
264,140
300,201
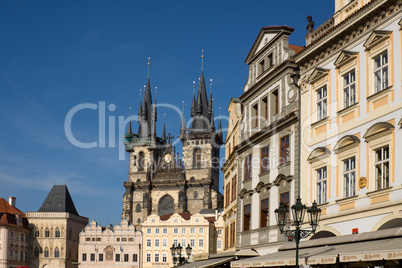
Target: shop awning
x,y
208,263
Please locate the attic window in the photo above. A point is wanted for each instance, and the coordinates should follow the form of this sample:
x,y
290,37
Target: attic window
x,y
18,219
270,60
262,66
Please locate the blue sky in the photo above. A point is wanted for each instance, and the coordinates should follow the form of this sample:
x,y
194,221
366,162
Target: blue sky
x,y
57,55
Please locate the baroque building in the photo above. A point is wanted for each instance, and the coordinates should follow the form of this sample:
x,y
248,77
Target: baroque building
x,y
159,181
55,231
267,152
14,235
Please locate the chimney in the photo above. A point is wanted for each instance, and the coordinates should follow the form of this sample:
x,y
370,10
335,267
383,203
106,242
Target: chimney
x,y
11,201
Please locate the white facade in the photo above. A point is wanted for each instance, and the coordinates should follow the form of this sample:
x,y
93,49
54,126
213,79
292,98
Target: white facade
x,y
114,246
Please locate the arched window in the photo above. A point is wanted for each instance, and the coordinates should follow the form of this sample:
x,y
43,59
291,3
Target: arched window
x,y
56,252
36,234
166,205
138,220
195,194
138,208
197,158
36,252
47,234
46,253
57,232
141,160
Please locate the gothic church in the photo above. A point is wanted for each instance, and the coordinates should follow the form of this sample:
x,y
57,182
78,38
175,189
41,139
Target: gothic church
x,y
159,180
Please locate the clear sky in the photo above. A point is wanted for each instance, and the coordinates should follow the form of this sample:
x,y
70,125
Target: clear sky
x,y
60,56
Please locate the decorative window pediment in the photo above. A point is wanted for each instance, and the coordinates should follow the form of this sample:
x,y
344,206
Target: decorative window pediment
x,y
378,130
346,142
261,185
318,154
280,177
344,57
317,74
243,193
376,37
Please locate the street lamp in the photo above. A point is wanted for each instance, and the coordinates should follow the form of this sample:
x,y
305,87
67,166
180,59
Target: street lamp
x,y
298,212
176,254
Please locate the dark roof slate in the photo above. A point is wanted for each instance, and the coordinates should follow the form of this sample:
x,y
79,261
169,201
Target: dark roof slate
x,y
59,200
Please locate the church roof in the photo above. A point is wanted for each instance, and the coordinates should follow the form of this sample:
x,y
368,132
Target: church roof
x,y
59,200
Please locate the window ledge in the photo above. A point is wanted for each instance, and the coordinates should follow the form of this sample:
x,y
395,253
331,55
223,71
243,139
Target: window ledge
x,y
322,121
346,200
348,109
379,192
264,173
380,93
284,164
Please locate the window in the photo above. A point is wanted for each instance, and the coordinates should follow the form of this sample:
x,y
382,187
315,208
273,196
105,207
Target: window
x,y
219,243
141,163
322,103
285,150
164,230
156,230
201,230
270,60
234,187
100,257
12,234
175,242
381,72
264,213
149,230
135,257
322,185
22,237
227,195
118,239
197,158
84,257
247,217
255,115
156,242
247,168
349,89
201,242
149,243
164,242
22,256
284,199
148,257
57,232
117,259
175,230
47,234
183,230
349,176
262,66
56,252
382,168
125,257
275,102
36,252
36,232
265,109
92,256
195,195
192,243
192,230
138,208
226,236
164,257
46,253
232,234
265,159
124,239
183,242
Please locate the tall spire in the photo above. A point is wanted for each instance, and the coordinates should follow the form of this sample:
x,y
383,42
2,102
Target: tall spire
x,y
202,60
193,103
183,125
164,129
129,132
210,99
140,117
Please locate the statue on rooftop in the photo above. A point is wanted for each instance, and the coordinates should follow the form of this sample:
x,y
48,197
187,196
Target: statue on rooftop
x,y
310,25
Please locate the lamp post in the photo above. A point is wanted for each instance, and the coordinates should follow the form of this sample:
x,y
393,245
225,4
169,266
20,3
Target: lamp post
x,y
176,254
298,212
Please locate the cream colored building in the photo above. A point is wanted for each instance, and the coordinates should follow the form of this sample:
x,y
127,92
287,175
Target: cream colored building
x,y
229,169
352,118
14,235
161,232
55,231
113,246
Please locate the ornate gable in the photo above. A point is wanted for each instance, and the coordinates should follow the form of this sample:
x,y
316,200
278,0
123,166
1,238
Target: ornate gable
x,y
345,56
346,142
376,37
317,74
318,154
378,130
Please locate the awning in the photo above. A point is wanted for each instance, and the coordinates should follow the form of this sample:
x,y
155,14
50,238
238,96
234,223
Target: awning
x,y
374,250
208,263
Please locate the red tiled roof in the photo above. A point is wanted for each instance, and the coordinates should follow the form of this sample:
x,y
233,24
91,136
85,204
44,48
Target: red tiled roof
x,y
6,208
297,49
184,215
7,215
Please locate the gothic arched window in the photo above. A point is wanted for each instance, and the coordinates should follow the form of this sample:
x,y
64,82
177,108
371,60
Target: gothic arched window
x,y
197,158
195,194
138,220
46,253
47,234
36,232
56,252
138,208
141,163
166,205
36,252
57,232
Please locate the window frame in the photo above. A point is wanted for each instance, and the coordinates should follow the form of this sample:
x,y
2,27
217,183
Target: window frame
x,y
246,217
322,102
247,167
383,162
380,69
349,176
264,212
349,89
322,191
284,150
264,157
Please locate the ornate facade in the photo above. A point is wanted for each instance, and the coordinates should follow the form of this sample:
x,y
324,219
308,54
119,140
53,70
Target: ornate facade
x,y
160,182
